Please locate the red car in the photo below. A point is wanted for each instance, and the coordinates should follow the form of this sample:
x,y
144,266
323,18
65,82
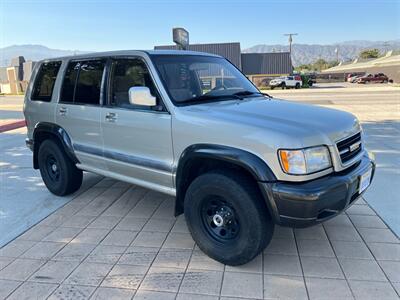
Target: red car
x,y
380,77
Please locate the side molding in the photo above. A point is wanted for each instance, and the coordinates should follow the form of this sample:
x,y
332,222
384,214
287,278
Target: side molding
x,y
237,157
44,129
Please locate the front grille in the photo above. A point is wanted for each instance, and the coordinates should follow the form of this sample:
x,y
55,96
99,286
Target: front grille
x,y
349,147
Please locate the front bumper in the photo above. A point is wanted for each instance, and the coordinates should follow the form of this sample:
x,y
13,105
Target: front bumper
x,y
307,203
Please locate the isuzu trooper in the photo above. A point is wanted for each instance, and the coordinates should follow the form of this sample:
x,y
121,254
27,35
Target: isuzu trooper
x,y
191,125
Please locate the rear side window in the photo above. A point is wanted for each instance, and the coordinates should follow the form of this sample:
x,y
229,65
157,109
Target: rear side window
x,y
45,80
82,82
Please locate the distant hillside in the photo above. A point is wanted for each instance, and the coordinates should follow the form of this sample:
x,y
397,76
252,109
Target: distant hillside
x,y
301,53
31,52
305,54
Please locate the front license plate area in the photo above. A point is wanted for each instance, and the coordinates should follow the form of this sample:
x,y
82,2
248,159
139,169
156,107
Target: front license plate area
x,y
365,180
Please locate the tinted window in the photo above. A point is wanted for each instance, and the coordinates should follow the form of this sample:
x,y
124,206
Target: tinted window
x,y
45,80
68,87
127,73
82,82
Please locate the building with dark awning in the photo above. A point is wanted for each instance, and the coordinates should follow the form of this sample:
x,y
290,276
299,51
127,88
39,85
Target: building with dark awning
x,y
230,51
259,67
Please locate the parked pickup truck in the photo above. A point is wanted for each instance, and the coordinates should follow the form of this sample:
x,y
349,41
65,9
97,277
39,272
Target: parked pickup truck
x,y
286,82
192,126
377,78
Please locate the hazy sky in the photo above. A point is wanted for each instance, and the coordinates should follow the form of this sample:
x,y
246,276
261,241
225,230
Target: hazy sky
x,y
109,25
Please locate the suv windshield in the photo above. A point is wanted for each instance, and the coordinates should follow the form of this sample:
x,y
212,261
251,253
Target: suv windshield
x,y
194,79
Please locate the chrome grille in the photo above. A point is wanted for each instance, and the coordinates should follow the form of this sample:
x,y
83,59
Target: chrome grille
x,y
349,147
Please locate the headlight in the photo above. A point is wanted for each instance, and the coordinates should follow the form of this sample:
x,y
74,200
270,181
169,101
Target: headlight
x,y
305,161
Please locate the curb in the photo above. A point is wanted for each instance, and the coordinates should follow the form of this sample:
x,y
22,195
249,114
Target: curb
x,y
13,125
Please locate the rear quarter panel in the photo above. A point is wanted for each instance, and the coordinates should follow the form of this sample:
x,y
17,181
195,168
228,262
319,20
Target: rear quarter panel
x,y
40,111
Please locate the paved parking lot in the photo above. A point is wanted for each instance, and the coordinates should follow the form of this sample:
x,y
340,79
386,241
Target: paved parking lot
x,y
113,240
122,241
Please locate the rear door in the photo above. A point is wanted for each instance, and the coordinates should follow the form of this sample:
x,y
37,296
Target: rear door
x,y
290,81
79,110
137,139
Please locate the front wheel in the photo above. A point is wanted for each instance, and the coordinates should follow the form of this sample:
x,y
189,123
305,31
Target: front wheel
x,y
283,85
59,173
227,217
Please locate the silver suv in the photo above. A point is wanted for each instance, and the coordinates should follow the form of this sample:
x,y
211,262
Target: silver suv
x,y
191,125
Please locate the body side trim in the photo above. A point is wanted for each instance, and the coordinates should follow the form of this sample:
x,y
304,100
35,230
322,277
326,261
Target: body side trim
x,y
145,184
130,159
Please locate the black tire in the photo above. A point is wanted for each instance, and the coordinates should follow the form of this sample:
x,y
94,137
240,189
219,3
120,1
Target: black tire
x,y
250,227
59,173
283,85
297,86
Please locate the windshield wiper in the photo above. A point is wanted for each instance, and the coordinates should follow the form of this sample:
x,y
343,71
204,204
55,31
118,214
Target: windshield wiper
x,y
249,93
208,98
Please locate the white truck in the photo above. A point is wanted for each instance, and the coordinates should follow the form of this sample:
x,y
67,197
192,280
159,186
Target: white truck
x,y
286,82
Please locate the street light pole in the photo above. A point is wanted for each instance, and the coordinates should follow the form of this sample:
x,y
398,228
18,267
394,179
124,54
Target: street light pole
x,y
337,54
290,41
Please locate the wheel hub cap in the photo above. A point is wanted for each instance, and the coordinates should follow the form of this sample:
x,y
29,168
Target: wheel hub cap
x,y
218,220
54,167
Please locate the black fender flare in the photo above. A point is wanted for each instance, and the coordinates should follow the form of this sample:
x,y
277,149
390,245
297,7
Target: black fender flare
x,y
238,157
47,128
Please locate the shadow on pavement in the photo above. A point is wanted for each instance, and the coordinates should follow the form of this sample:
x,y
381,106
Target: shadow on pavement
x,y
383,139
25,200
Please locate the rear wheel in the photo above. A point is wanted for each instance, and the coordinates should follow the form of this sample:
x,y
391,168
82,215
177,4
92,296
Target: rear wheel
x,y
58,172
227,217
283,85
297,86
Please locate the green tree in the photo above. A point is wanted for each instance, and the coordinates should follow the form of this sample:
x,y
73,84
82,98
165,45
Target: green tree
x,y
369,53
320,64
304,68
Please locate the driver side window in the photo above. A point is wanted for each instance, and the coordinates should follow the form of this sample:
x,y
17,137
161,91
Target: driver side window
x,y
127,73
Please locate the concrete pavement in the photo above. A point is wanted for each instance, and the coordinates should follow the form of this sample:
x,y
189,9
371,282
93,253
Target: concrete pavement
x,y
121,241
24,200
116,240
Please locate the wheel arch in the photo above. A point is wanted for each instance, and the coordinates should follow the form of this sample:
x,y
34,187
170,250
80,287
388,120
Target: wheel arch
x,y
46,130
200,158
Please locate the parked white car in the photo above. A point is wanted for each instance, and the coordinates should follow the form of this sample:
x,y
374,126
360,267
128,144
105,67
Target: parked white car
x,y
286,82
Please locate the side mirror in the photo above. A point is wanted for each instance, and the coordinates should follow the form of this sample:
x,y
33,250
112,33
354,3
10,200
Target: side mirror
x,y
140,95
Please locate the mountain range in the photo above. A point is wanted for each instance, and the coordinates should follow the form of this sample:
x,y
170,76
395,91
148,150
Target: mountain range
x,y
32,52
301,53
306,53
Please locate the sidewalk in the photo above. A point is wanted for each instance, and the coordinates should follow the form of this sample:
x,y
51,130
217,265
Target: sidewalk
x,y
119,240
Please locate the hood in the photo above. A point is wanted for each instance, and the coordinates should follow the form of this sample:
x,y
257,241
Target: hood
x,y
292,119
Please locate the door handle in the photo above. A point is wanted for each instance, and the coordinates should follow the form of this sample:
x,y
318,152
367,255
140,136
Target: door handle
x,y
111,117
62,111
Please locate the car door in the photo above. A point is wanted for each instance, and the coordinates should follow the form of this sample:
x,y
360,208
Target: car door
x,y
290,81
137,139
79,110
